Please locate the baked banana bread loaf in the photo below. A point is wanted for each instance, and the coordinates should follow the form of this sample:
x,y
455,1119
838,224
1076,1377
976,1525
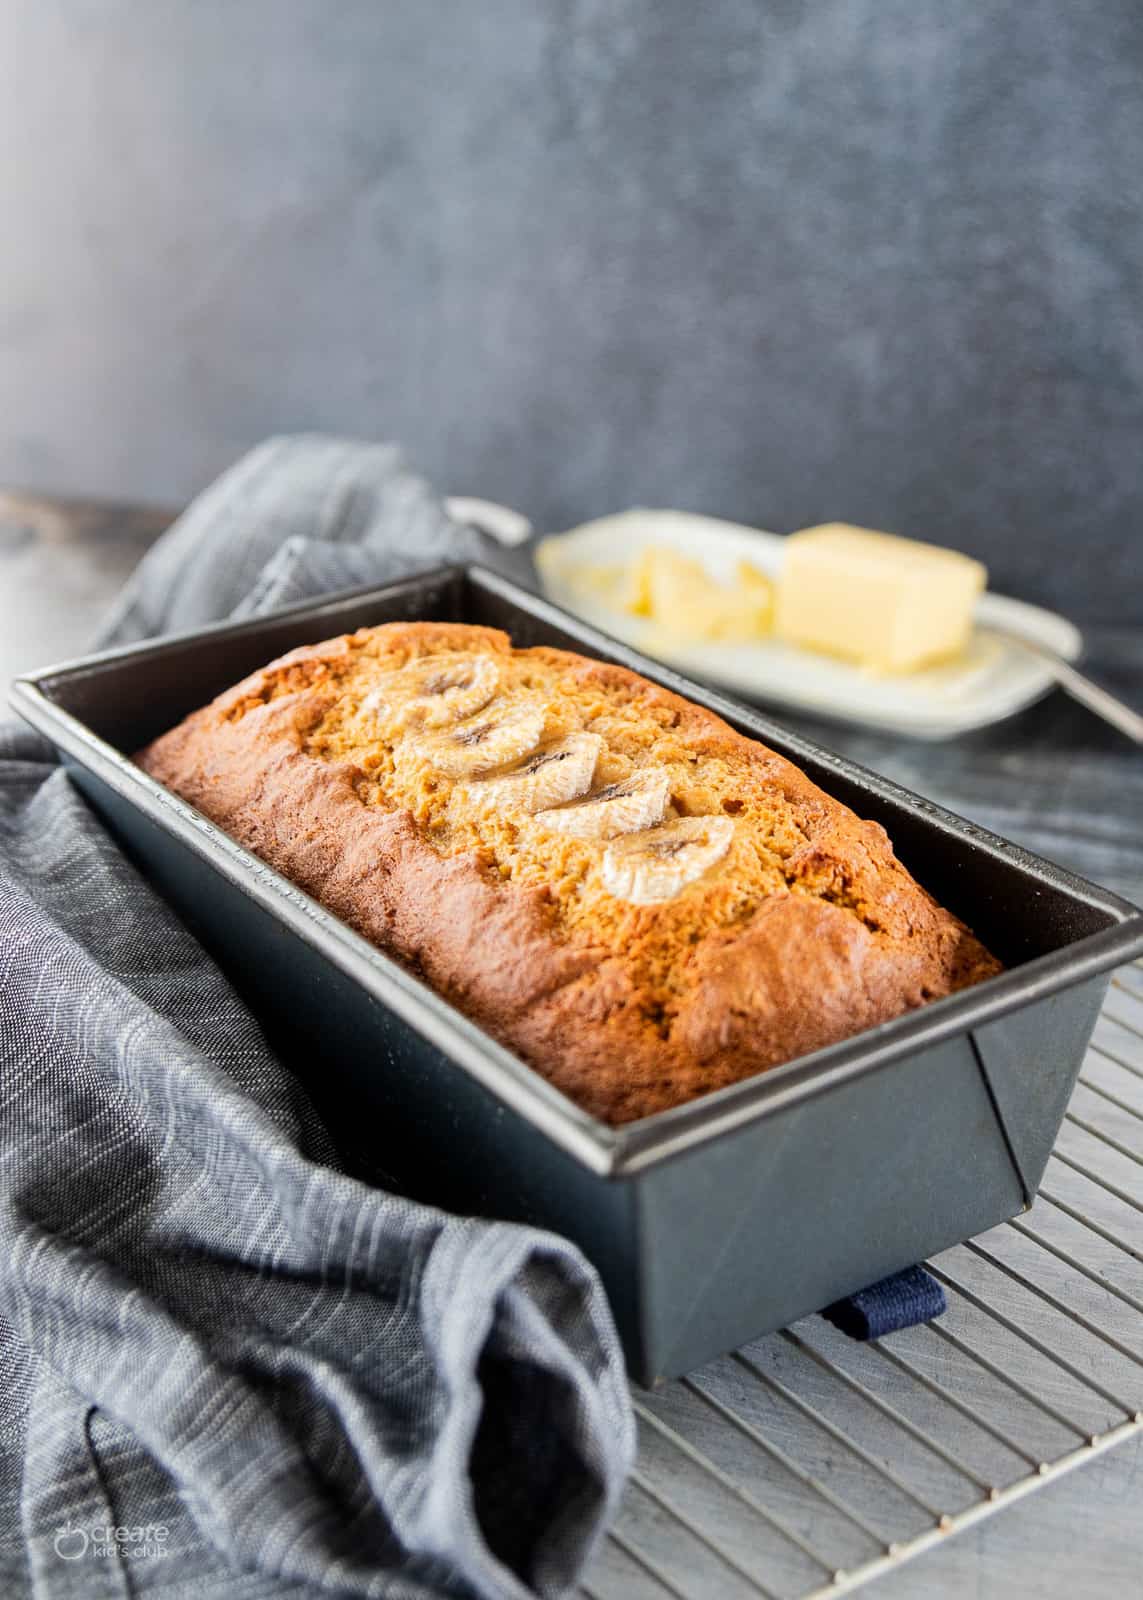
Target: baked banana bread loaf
x,y
642,903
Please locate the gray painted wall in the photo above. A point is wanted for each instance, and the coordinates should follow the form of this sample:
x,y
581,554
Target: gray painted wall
x,y
876,259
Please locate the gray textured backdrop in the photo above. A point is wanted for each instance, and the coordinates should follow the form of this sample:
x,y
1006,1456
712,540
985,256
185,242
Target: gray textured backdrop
x,y
877,259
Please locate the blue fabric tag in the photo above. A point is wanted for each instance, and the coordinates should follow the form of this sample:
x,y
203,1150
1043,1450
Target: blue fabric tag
x,y
898,1302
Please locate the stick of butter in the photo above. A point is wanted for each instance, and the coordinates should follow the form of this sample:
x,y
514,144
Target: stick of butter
x,y
889,603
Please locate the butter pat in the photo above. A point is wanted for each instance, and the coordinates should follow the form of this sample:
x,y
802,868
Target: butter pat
x,y
888,603
678,594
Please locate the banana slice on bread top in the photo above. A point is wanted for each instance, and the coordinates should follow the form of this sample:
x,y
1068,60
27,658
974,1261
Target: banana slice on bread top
x,y
553,773
434,691
500,733
656,863
622,807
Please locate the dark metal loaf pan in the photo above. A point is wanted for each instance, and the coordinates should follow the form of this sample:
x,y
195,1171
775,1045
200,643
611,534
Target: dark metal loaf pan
x,y
710,1223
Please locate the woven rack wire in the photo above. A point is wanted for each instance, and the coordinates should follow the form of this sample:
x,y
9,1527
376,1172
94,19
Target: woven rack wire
x,y
804,1465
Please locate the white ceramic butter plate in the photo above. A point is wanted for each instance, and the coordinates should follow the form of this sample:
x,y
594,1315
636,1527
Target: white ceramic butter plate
x,y
992,680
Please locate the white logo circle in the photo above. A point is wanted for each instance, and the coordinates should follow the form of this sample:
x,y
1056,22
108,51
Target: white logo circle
x,y
70,1542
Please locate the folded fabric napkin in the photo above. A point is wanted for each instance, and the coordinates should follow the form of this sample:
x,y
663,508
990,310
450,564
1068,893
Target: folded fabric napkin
x,y
230,1369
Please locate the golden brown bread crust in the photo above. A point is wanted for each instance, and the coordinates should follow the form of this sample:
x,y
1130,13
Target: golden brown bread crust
x,y
809,931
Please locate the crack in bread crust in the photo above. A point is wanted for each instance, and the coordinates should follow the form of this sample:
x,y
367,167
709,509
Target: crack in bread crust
x,y
806,931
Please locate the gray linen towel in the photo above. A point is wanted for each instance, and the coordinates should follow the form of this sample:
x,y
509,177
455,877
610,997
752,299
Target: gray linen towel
x,y
230,1369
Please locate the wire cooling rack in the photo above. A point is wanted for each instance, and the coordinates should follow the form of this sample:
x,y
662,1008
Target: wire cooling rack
x,y
805,1465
